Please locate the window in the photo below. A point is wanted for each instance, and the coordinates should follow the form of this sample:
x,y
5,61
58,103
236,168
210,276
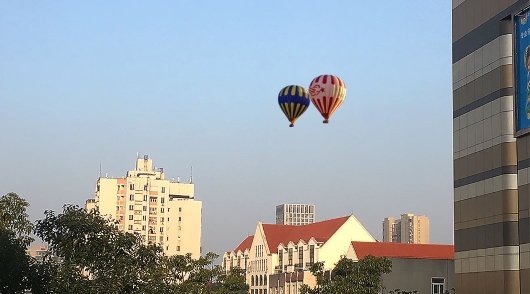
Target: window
x,y
161,229
131,187
144,218
178,248
162,209
131,197
131,207
143,228
280,257
130,217
161,219
163,190
152,199
301,255
180,209
145,187
145,197
144,208
311,254
130,227
180,218
437,285
290,256
117,208
162,200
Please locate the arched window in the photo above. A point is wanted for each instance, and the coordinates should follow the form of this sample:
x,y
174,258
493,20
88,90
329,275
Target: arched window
x,y
251,280
265,280
261,280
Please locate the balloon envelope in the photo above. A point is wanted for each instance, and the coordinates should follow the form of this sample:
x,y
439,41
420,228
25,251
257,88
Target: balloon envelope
x,y
293,101
327,93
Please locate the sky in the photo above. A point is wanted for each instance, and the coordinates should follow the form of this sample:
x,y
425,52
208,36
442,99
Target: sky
x,y
195,84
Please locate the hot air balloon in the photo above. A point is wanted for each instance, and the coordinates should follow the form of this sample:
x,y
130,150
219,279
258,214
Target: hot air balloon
x,y
293,101
327,93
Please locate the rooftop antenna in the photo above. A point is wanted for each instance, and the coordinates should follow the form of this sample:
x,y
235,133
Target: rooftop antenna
x,y
137,155
191,175
178,179
99,175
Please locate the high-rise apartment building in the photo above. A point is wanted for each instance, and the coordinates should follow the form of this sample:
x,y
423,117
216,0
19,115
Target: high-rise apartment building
x,y
491,145
295,214
161,211
409,228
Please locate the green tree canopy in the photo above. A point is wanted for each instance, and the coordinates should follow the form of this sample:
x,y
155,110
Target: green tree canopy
x,y
96,257
14,219
350,277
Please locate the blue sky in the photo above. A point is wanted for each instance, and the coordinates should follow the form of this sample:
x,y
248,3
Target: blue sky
x,y
196,84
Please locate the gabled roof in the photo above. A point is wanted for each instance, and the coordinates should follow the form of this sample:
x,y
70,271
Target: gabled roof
x,y
402,250
320,231
245,244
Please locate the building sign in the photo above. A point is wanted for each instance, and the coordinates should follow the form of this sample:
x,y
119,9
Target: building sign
x,y
522,68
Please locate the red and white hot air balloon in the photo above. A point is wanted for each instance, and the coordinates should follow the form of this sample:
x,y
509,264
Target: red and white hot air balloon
x,y
327,93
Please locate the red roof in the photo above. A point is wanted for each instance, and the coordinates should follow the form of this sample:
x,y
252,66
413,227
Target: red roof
x,y
245,244
402,250
321,231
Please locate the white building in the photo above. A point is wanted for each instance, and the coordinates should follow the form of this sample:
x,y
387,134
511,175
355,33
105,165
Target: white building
x,y
295,214
160,210
277,257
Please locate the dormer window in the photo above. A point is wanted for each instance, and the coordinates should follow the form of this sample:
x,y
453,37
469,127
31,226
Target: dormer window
x,y
311,254
301,255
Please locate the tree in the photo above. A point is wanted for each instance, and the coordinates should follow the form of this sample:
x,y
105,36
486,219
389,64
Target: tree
x,y
233,282
350,277
14,264
14,219
17,271
97,257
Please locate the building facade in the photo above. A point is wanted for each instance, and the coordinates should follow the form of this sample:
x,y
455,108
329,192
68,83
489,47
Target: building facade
x,y
161,211
277,257
39,252
295,214
409,228
491,155
425,268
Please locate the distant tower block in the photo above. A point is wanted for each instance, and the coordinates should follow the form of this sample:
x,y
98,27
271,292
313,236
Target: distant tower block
x,y
295,214
409,228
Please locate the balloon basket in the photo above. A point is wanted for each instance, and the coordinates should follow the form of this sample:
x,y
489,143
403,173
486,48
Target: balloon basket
x,y
325,121
291,125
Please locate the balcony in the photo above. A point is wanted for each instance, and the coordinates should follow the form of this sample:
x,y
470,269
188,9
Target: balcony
x,y
299,266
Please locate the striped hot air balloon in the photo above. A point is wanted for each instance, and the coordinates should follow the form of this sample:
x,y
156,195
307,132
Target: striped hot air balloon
x,y
293,101
327,93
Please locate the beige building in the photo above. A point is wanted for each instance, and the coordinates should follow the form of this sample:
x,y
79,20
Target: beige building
x,y
295,214
38,251
277,257
144,202
408,229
